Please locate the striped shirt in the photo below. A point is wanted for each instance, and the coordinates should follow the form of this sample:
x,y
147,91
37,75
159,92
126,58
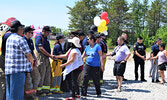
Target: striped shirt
x,y
15,57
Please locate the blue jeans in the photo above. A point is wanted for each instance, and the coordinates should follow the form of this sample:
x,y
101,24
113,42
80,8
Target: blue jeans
x,y
15,86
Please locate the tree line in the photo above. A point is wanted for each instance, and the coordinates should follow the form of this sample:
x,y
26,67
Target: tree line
x,y
147,18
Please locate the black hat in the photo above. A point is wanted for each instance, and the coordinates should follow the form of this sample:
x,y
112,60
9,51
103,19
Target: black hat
x,y
91,32
46,28
94,28
81,33
140,38
102,34
16,24
28,29
58,37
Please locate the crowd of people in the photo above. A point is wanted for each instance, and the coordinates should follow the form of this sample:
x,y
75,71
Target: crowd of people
x,y
73,63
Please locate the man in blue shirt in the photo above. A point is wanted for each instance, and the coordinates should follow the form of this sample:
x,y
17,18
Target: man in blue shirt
x,y
18,60
154,52
43,54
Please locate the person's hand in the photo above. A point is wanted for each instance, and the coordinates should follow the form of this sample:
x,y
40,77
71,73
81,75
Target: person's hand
x,y
62,66
52,57
143,57
123,61
148,58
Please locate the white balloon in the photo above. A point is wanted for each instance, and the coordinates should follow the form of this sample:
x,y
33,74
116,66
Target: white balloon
x,y
105,32
97,21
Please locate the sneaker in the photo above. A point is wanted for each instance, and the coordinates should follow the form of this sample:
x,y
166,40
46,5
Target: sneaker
x,y
152,80
136,79
124,79
143,80
99,95
157,81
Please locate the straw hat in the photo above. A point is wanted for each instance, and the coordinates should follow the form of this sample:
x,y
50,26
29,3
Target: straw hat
x,y
75,41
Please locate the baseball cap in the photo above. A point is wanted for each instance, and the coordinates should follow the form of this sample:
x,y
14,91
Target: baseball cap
x,y
46,28
28,28
9,21
16,24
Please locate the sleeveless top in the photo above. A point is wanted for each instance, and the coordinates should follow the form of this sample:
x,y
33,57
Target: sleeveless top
x,y
161,58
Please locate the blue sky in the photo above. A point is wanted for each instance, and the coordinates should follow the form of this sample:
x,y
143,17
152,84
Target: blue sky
x,y
38,12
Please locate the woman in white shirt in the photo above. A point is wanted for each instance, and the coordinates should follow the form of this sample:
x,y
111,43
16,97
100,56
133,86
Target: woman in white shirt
x,y
74,61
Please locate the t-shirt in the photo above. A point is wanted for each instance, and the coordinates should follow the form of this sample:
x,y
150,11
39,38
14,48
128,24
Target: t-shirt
x,y
121,52
155,49
30,44
104,46
57,50
4,38
40,40
93,58
140,48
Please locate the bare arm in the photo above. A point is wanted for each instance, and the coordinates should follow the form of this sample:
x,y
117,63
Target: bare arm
x,y
64,56
45,52
83,55
72,59
101,60
127,57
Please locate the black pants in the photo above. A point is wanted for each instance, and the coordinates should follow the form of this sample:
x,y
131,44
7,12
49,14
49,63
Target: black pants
x,y
141,63
74,77
94,73
66,85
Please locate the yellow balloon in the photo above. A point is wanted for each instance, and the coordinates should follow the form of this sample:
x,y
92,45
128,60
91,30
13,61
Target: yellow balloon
x,y
100,29
105,28
103,22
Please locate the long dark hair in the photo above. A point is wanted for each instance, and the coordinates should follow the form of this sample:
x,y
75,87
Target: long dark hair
x,y
73,46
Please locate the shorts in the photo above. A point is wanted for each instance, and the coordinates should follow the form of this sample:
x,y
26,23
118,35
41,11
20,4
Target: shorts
x,y
162,66
119,69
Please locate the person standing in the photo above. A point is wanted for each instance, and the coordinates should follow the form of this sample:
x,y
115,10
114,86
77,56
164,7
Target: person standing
x,y
55,65
162,61
124,35
43,54
154,52
18,61
94,62
32,78
74,61
103,44
122,54
139,57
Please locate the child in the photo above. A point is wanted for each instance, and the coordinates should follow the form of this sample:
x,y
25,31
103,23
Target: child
x,y
55,66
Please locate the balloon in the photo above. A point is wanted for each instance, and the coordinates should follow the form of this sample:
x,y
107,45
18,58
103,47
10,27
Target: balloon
x,y
104,15
101,28
105,32
103,22
107,20
105,28
97,21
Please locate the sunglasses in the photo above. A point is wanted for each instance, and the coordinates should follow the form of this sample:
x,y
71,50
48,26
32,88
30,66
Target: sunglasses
x,y
31,32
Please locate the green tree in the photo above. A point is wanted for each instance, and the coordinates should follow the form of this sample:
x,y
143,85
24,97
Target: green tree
x,y
82,14
154,17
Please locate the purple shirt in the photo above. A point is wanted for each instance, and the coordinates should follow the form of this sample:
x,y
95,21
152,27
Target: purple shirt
x,y
161,58
121,53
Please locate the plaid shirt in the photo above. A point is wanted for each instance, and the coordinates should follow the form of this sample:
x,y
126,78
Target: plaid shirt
x,y
15,57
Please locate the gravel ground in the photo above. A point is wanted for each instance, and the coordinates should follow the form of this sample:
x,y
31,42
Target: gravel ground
x,y
131,89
